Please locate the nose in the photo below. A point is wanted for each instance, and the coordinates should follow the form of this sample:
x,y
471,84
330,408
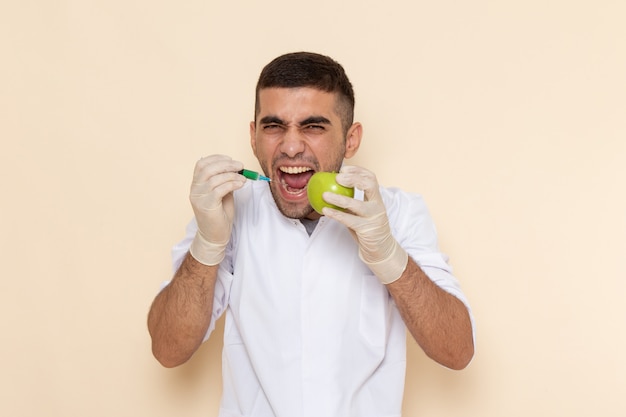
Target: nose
x,y
293,143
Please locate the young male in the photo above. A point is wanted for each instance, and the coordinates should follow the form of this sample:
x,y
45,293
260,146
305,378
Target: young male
x,y
317,307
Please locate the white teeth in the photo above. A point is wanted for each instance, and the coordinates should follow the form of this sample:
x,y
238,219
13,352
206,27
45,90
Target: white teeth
x,y
294,170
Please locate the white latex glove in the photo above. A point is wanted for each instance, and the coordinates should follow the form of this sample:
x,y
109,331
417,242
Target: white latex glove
x,y
368,222
214,179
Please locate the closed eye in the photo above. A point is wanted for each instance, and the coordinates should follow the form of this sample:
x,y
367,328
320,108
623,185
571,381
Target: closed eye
x,y
271,127
271,123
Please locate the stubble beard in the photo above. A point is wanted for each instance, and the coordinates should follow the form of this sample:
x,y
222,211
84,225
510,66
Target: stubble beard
x,y
293,210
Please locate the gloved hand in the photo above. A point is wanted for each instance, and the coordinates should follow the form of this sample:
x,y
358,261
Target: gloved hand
x,y
214,179
368,222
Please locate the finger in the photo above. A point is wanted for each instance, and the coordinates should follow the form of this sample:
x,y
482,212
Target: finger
x,y
213,200
213,185
213,171
347,219
204,173
361,209
210,193
212,160
215,164
209,185
348,175
342,201
361,178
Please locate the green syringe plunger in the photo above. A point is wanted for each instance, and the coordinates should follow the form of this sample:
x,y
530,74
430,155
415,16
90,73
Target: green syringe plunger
x,y
252,175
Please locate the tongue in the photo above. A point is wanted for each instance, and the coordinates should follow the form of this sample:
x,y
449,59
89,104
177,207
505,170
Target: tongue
x,y
297,181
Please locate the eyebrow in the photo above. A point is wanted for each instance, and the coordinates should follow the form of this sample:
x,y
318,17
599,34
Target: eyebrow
x,y
308,121
315,120
270,120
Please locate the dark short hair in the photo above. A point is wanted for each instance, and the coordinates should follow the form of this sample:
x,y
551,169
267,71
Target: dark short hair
x,y
307,69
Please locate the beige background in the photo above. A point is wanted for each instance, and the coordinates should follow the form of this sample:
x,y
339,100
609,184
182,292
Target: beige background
x,y
509,117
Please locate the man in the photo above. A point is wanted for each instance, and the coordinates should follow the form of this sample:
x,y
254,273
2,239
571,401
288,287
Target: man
x,y
317,307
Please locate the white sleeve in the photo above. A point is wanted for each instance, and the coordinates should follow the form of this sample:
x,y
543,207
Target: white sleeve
x,y
181,248
413,227
224,277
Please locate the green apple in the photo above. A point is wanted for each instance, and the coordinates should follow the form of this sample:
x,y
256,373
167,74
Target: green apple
x,y
321,182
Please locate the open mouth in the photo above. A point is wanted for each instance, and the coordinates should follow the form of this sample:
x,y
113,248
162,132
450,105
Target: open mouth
x,y
294,179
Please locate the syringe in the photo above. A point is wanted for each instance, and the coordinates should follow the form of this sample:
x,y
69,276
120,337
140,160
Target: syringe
x,y
252,175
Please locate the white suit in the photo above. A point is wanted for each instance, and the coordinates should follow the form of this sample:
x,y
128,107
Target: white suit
x,y
309,329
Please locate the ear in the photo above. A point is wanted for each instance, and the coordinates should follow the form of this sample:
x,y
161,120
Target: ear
x,y
253,137
353,139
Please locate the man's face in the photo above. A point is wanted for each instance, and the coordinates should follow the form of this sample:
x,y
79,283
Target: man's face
x,y
298,132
